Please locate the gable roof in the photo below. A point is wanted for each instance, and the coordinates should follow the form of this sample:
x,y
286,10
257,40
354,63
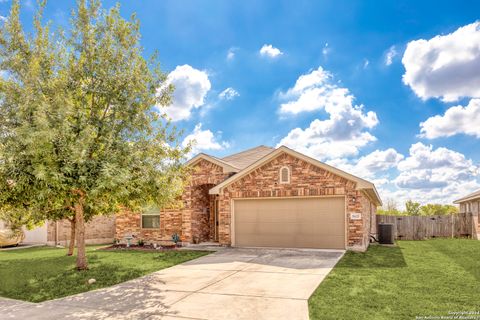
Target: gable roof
x,y
362,184
227,167
245,158
471,196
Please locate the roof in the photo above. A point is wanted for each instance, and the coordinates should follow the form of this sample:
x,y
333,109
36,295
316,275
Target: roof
x,y
251,154
245,158
471,196
227,167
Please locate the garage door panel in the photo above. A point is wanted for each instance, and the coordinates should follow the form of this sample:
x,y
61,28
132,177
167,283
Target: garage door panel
x,y
294,223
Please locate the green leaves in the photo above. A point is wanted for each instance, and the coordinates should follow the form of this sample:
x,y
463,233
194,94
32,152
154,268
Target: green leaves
x,y
77,113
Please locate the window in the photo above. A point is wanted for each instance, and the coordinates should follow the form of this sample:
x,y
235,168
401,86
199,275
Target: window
x,y
284,175
151,219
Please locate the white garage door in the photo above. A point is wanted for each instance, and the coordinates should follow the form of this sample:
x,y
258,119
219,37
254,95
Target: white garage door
x,y
290,223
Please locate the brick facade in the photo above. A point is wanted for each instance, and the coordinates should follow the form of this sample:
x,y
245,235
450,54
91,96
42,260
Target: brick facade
x,y
195,221
306,180
101,229
129,224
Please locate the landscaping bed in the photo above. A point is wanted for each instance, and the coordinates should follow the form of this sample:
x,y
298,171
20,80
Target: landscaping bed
x,y
431,278
45,273
136,247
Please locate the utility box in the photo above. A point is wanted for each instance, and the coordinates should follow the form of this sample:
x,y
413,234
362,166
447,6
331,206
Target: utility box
x,y
385,233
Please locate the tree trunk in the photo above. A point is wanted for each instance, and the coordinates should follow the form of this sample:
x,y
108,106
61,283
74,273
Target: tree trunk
x,y
71,247
80,224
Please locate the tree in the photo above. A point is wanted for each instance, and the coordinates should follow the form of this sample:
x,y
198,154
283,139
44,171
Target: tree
x,y
438,209
83,127
390,208
412,208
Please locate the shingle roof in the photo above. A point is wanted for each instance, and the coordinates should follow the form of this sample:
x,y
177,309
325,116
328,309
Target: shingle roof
x,y
245,158
471,196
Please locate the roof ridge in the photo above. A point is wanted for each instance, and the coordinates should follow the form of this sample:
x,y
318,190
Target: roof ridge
x,y
250,149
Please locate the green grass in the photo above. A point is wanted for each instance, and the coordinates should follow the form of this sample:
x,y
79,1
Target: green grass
x,y
39,274
416,278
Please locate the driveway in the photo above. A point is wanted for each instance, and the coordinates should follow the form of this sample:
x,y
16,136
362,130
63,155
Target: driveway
x,y
229,284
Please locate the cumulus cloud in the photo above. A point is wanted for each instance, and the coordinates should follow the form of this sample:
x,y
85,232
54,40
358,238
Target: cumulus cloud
x,y
270,51
391,53
428,168
203,140
456,120
446,66
373,166
228,94
191,87
342,134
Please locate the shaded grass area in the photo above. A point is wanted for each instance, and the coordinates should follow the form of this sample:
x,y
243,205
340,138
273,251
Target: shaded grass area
x,y
416,278
43,273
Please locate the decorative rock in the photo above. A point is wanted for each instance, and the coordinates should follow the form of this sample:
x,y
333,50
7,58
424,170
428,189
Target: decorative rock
x,y
91,281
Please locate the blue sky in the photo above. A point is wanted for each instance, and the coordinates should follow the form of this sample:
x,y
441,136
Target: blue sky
x,y
368,83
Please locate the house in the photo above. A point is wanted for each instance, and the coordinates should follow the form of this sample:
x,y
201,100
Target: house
x,y
264,197
101,229
471,204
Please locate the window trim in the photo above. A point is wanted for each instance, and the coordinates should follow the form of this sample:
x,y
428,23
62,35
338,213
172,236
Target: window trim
x,y
150,213
280,175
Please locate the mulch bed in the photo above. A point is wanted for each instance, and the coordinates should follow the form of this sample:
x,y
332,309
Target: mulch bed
x,y
146,247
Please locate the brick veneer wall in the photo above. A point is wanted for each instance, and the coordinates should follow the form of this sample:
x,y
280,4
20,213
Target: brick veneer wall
x,y
101,229
306,180
192,222
129,224
196,215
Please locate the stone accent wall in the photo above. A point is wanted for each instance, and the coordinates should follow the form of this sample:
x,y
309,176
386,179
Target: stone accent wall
x,y
129,224
101,229
196,224
306,180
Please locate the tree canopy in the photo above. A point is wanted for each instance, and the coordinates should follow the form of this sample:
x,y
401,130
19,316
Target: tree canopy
x,y
83,127
416,209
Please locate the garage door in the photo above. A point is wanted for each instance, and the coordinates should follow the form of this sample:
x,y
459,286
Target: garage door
x,y
290,223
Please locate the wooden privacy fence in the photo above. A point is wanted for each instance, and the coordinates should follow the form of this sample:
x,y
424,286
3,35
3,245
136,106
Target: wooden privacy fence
x,y
425,227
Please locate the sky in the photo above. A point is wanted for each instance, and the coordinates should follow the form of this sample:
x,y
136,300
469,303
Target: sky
x,y
386,90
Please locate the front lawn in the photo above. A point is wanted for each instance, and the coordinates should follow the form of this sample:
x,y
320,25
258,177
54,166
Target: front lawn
x,y
45,273
416,278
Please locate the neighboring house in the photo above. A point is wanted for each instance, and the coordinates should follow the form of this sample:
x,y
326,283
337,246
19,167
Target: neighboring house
x,y
471,204
264,197
101,229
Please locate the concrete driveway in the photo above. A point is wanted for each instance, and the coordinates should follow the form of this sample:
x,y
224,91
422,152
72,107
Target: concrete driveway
x,y
228,284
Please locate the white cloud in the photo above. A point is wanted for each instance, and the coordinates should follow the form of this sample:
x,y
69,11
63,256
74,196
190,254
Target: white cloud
x,y
391,53
446,66
366,63
445,195
372,166
428,168
456,120
269,51
228,94
426,175
231,53
342,134
191,87
3,18
203,140
379,160
325,50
